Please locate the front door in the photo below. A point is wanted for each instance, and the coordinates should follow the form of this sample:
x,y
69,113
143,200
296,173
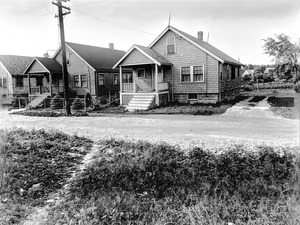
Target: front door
x,y
39,81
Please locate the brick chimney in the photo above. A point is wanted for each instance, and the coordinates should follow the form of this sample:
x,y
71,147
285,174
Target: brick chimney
x,y
200,35
111,45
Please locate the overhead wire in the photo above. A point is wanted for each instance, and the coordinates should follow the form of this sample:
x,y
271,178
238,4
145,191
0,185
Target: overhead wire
x,y
114,23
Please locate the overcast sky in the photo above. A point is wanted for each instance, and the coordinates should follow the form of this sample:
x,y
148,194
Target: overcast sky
x,y
237,27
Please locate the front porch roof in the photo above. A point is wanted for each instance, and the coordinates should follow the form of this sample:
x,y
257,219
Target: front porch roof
x,y
149,56
43,65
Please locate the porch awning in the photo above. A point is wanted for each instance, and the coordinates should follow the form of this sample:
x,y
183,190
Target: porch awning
x,y
138,55
42,65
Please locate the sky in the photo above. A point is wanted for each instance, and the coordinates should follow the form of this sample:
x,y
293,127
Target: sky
x,y
236,27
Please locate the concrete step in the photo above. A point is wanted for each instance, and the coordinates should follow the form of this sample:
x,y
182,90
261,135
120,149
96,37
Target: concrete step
x,y
140,102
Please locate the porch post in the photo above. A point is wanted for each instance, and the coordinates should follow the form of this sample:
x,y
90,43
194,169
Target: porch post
x,y
50,81
28,76
121,76
156,84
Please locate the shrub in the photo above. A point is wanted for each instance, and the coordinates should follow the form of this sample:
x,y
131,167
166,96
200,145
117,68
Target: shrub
x,y
77,104
56,102
15,103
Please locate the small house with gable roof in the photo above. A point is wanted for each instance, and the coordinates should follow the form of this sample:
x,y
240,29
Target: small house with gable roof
x,y
177,66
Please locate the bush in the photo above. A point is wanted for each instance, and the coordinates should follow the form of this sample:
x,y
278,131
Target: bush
x,y
77,104
56,102
15,103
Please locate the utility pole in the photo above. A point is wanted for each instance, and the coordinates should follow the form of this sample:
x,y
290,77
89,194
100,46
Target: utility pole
x,y
63,50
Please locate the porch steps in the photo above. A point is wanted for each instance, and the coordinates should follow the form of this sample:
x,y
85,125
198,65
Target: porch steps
x,y
140,102
38,100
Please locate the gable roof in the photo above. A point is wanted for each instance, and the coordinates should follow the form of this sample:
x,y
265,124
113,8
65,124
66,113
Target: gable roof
x,y
96,57
49,64
206,47
15,64
149,53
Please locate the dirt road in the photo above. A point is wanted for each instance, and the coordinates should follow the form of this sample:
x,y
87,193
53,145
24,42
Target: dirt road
x,y
238,125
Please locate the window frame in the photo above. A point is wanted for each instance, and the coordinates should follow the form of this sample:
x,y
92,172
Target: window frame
x,y
181,74
103,80
192,94
68,61
192,74
115,81
18,81
201,81
126,77
137,73
86,80
76,79
1,82
167,44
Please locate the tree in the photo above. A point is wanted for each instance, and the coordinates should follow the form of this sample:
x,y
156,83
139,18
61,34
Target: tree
x,y
284,52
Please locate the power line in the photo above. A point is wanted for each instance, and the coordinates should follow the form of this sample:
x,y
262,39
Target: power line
x,y
89,3
33,9
114,23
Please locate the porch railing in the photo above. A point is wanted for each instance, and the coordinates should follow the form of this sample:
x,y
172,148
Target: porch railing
x,y
39,90
163,86
127,87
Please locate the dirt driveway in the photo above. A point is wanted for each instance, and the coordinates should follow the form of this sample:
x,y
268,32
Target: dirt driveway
x,y
239,124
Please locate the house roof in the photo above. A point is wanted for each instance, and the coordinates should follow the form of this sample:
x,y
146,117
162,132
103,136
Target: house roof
x,y
208,48
97,57
149,53
15,64
50,65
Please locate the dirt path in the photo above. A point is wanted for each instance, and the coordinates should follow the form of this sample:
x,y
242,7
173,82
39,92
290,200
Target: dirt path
x,y
240,124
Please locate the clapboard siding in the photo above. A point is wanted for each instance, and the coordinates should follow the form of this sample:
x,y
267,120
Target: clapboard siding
x,y
189,55
135,58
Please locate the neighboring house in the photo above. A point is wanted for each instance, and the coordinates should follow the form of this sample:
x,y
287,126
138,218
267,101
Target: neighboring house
x,y
177,66
90,68
45,76
12,80
248,73
269,70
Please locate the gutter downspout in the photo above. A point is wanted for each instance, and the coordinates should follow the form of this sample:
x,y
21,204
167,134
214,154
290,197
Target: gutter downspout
x,y
206,74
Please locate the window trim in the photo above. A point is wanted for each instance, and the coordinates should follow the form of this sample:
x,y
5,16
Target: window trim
x,y
137,73
192,75
102,79
174,39
192,98
68,61
81,83
19,81
201,81
117,76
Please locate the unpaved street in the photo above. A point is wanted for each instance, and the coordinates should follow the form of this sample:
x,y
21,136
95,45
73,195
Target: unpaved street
x,y
237,125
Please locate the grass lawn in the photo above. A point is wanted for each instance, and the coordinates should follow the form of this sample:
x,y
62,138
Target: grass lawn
x,y
144,183
34,164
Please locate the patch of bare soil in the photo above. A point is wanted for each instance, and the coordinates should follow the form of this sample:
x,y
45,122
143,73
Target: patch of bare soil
x,y
39,216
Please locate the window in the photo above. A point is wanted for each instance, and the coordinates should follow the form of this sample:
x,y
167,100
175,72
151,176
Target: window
x,y
116,77
185,74
68,58
83,80
76,81
19,81
198,74
101,79
192,96
141,72
1,83
171,45
127,78
228,72
237,71
233,72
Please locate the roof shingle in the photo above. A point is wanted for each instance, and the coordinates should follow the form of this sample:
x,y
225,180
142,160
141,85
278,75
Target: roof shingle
x,y
15,64
98,57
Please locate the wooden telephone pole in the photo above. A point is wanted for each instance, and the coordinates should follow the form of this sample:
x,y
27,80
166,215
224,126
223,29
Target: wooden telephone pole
x,y
63,50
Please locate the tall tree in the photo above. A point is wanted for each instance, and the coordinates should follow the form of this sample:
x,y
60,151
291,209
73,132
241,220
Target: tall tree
x,y
284,52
